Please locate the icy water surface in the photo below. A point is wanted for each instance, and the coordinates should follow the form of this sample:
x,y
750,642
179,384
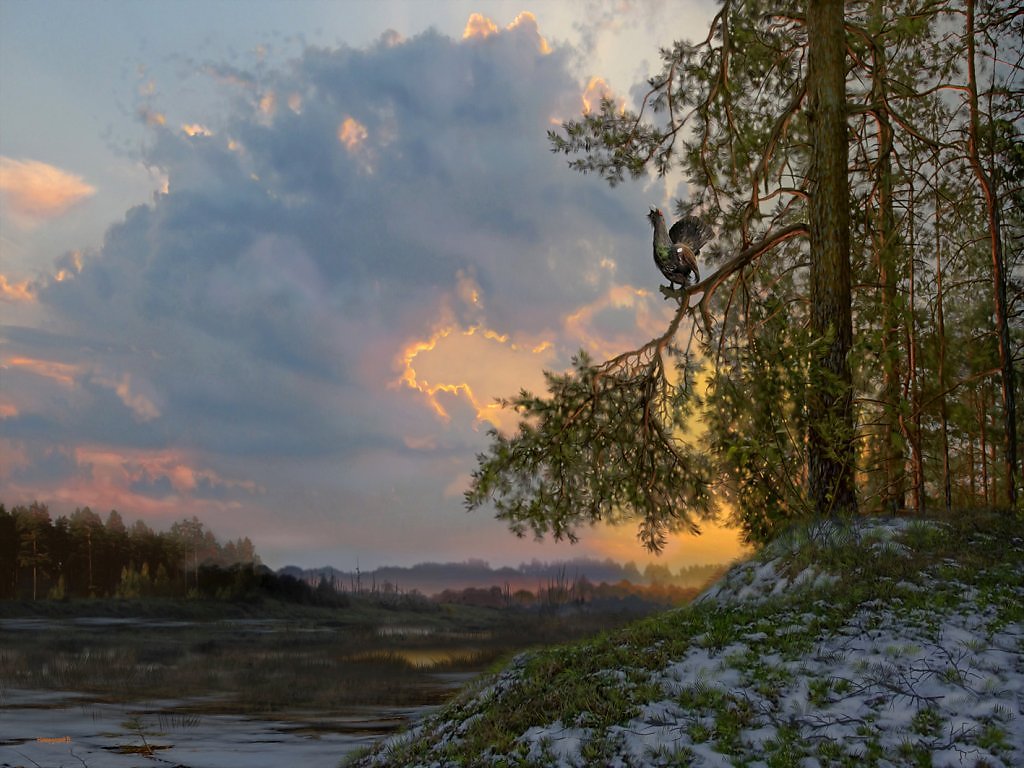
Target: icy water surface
x,y
54,730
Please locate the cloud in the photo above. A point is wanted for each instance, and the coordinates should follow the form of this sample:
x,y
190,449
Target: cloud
x,y
479,26
33,191
62,373
596,91
317,313
195,129
15,292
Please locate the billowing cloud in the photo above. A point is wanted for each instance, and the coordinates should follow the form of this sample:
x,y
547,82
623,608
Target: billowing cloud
x,y
479,26
33,191
309,325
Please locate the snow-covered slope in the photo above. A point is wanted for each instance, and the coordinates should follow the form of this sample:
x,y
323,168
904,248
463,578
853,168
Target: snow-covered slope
x,y
885,643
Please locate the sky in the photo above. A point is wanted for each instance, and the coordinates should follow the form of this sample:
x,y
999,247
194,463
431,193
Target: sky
x,y
271,263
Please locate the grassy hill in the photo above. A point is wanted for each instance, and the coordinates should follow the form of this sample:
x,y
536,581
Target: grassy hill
x,y
881,643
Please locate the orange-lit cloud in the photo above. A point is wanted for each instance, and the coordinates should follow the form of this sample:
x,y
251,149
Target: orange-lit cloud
x,y
527,20
479,25
73,268
33,191
475,365
649,319
8,410
152,117
12,292
63,373
597,90
353,136
295,102
352,133
126,467
196,129
142,407
109,478
268,104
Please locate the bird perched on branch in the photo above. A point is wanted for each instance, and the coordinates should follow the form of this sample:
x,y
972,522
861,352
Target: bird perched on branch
x,y
676,249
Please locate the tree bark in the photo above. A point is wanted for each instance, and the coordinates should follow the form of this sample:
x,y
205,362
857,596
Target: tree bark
x,y
885,244
913,387
830,448
940,330
988,188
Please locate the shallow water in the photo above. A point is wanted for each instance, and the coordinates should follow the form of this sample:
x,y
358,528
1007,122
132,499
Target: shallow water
x,y
51,729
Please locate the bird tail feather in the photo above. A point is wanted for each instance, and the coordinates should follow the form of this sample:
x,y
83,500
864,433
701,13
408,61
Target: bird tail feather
x,y
691,232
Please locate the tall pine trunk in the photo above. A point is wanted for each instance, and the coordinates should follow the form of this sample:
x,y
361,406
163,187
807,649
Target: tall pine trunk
x,y
989,192
913,388
940,330
886,247
830,459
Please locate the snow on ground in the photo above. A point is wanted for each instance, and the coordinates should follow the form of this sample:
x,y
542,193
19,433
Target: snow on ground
x,y
787,669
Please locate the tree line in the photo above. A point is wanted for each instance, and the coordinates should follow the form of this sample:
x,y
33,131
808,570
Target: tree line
x,y
83,555
858,346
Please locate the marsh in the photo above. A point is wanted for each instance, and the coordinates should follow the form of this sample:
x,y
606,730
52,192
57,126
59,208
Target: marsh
x,y
221,684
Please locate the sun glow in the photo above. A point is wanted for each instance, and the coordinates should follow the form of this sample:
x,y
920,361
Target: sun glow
x,y
475,364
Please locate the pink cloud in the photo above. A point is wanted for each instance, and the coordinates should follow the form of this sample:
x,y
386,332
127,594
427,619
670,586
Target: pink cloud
x,y
34,191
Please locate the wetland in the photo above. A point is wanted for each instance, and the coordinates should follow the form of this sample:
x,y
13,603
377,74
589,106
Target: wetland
x,y
207,684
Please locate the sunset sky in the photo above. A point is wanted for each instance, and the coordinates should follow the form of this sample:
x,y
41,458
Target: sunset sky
x,y
270,263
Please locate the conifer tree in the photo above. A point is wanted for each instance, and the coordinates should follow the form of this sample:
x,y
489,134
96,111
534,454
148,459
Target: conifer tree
x,y
835,148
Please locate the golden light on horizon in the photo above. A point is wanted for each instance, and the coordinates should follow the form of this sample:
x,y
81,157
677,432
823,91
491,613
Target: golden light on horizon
x,y
716,543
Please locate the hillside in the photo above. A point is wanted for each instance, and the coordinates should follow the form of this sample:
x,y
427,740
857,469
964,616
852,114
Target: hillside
x,y
885,643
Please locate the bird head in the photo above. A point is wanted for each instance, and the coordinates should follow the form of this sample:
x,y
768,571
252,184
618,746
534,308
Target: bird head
x,y
654,216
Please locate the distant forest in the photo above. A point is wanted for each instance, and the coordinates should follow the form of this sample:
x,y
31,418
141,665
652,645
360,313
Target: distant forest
x,y
536,576
83,555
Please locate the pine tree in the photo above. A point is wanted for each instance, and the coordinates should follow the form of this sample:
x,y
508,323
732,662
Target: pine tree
x,y
829,371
